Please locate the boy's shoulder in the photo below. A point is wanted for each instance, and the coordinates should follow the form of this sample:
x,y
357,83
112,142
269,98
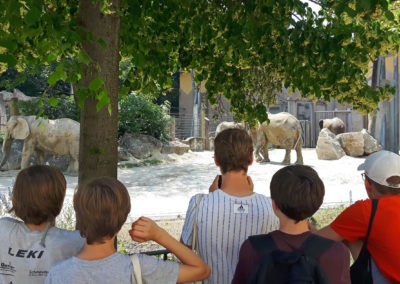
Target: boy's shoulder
x,y
9,222
74,264
221,194
69,238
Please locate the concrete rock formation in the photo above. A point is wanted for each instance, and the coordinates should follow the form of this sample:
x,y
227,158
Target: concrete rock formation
x,y
371,145
352,143
328,148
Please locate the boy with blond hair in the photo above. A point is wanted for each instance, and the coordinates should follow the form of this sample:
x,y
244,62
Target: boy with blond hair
x,y
29,248
102,206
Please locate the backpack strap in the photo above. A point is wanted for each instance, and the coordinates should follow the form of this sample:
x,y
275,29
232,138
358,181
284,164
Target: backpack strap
x,y
373,211
264,243
315,245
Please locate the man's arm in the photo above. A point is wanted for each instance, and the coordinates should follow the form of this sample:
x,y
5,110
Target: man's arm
x,y
193,268
329,233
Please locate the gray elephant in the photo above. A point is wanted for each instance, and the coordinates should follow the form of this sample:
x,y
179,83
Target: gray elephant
x,y
228,124
59,136
335,125
283,130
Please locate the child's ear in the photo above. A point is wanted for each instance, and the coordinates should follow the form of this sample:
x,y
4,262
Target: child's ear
x,y
251,159
216,160
274,206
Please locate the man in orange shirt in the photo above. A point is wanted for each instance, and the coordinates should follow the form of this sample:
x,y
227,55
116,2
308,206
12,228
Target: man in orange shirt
x,y
382,182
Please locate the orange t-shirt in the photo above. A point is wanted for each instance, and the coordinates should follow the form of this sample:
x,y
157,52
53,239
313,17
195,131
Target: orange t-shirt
x,y
384,238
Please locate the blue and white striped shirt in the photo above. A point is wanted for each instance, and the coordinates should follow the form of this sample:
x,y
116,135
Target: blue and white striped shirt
x,y
224,222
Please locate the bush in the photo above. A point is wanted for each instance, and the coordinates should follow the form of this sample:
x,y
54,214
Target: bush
x,y
50,107
138,114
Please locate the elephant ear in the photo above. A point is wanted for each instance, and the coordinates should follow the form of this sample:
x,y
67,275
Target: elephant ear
x,y
21,129
321,123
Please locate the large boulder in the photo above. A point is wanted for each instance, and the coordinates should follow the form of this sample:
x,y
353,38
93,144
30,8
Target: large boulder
x,y
352,143
175,147
328,148
196,144
139,145
371,145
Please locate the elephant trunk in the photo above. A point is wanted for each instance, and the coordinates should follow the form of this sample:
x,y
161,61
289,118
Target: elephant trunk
x,y
6,151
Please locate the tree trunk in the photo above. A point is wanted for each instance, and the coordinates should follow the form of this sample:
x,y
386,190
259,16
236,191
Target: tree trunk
x,y
98,152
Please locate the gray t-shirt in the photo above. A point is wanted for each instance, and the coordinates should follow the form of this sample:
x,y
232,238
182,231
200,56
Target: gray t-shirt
x,y
27,255
116,268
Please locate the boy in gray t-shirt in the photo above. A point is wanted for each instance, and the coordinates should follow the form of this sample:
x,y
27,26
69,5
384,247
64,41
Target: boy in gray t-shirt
x,y
102,206
29,248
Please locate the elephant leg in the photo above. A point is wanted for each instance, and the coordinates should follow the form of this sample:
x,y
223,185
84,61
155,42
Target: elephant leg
x,y
286,160
26,154
257,154
299,154
73,166
40,157
266,153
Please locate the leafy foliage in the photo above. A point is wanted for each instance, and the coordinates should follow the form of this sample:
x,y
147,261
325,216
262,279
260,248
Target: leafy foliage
x,y
33,81
324,54
139,115
50,107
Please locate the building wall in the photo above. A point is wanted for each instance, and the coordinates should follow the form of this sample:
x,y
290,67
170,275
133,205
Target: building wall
x,y
305,110
384,124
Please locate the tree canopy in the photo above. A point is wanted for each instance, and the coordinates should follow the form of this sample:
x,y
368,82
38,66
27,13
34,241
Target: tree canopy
x,y
245,50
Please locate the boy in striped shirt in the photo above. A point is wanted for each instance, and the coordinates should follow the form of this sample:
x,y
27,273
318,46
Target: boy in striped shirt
x,y
231,211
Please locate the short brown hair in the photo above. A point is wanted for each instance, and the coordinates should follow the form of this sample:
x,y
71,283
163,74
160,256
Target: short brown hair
x,y
297,191
38,194
101,206
233,150
383,189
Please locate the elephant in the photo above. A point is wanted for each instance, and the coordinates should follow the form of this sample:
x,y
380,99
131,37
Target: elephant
x,y
40,135
335,125
228,124
283,130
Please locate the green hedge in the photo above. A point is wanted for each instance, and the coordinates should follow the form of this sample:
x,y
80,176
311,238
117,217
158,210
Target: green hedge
x,y
138,114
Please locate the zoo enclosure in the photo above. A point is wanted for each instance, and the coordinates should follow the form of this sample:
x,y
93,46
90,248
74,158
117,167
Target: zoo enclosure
x,y
185,124
310,128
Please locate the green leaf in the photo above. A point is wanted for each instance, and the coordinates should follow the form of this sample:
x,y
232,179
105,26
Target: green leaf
x,y
53,101
362,5
103,99
9,59
389,15
96,84
83,57
57,75
13,8
10,45
51,57
102,43
95,150
32,16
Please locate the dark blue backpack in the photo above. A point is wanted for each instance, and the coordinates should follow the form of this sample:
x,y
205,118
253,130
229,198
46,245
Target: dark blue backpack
x,y
277,266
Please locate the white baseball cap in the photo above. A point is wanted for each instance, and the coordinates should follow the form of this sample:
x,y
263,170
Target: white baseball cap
x,y
383,167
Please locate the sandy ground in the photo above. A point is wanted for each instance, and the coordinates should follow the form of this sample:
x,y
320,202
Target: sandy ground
x,y
163,191
343,185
